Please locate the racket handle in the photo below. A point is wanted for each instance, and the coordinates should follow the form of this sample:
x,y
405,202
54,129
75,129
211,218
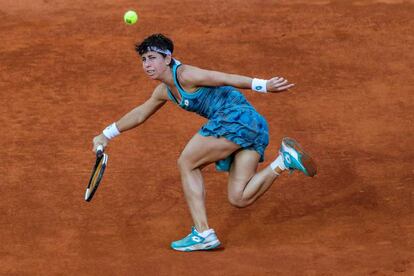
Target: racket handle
x,y
99,151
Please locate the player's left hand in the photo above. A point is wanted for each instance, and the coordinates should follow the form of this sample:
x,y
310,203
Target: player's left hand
x,y
278,84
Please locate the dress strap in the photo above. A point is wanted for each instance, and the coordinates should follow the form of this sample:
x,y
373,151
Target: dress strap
x,y
171,96
176,82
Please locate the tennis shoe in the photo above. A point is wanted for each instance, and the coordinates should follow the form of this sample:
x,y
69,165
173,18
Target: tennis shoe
x,y
295,158
194,241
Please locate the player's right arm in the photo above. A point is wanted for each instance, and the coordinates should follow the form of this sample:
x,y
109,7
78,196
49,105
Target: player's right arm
x,y
138,115
141,113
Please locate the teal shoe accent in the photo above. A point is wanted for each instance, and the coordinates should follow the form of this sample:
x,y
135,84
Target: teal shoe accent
x,y
295,158
194,242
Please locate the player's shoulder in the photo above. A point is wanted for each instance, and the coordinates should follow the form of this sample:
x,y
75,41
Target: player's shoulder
x,y
187,69
187,73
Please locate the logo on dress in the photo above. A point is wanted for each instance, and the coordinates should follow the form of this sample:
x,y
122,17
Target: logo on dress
x,y
186,102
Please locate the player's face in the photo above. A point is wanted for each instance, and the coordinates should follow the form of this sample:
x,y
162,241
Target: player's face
x,y
154,64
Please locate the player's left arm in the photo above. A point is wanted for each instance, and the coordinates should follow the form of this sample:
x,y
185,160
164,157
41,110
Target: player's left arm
x,y
194,76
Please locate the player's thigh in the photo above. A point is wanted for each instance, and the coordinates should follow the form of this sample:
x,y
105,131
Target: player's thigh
x,y
242,170
202,150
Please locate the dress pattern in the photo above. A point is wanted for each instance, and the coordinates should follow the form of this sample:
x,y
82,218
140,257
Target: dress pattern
x,y
229,115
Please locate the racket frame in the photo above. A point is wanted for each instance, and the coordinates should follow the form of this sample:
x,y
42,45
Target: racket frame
x,y
100,156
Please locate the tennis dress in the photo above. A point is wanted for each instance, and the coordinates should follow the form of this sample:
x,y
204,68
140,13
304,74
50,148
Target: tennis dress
x,y
229,115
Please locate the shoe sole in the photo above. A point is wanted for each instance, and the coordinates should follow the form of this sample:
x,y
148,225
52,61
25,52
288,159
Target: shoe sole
x,y
306,160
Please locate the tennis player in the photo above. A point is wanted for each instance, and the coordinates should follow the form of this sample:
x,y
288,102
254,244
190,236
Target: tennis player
x,y
235,136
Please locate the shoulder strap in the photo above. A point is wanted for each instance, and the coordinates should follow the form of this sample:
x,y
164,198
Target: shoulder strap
x,y
176,82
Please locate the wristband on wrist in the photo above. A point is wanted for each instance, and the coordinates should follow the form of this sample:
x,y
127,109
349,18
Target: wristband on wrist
x,y
111,131
259,85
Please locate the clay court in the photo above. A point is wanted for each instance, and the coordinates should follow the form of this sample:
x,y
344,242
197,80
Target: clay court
x,y
68,69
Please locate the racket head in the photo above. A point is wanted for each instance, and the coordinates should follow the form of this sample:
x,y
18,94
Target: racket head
x,y
96,177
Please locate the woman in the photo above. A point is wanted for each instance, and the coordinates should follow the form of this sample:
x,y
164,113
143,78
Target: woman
x,y
235,136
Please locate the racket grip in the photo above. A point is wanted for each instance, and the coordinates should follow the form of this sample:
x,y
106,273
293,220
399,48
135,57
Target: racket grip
x,y
99,151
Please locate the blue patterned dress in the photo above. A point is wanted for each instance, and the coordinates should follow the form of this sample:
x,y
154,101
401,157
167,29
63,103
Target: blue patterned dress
x,y
229,115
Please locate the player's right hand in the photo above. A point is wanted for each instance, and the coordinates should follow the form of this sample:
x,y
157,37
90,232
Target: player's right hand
x,y
99,140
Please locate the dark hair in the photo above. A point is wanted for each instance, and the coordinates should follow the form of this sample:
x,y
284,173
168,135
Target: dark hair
x,y
155,40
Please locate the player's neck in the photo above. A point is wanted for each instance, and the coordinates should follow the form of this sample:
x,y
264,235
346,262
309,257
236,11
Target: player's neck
x,y
166,77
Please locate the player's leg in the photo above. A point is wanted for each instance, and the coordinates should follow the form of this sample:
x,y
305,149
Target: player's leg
x,y
199,152
245,184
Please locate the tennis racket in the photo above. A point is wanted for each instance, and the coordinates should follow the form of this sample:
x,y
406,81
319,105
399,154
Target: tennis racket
x,y
97,173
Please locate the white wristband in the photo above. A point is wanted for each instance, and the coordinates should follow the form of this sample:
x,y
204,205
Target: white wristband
x,y
111,131
259,85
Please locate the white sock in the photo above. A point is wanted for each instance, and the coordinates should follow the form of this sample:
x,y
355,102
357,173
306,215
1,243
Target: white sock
x,y
205,233
278,163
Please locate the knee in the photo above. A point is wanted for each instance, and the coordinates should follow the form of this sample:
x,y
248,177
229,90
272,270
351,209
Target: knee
x,y
184,163
237,201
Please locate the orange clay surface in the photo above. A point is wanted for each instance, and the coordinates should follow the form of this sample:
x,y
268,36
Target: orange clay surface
x,y
68,69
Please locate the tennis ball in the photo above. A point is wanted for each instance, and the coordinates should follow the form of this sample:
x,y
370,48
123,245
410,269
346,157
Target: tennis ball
x,y
130,17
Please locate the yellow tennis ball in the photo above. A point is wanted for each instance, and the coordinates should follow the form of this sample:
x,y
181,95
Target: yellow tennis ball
x,y
130,17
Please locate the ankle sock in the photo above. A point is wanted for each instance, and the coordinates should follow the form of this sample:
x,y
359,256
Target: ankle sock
x,y
205,233
278,163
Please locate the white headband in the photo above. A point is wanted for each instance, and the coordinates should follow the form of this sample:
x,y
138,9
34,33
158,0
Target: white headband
x,y
158,50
